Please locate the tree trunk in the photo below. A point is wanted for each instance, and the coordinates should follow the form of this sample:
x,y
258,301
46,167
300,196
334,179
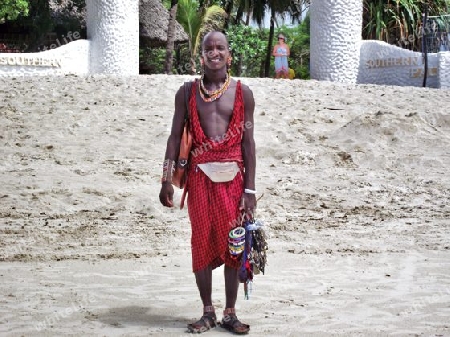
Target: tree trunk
x,y
239,66
228,10
247,19
269,45
239,15
171,36
177,59
193,67
204,5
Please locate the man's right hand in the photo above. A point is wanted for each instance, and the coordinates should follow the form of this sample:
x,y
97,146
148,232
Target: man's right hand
x,y
166,194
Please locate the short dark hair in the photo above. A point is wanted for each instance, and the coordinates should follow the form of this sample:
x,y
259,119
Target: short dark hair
x,y
215,32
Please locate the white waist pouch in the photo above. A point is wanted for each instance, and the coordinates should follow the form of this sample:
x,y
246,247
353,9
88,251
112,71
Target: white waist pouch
x,y
220,172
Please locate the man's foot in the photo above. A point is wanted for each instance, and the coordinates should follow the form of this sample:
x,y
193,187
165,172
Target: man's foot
x,y
205,323
231,322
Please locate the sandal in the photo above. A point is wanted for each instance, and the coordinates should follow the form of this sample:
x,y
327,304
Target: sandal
x,y
205,323
231,323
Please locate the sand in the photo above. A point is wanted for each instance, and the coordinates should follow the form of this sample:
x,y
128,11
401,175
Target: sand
x,y
355,200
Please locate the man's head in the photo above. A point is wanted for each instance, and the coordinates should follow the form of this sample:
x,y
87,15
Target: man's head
x,y
215,51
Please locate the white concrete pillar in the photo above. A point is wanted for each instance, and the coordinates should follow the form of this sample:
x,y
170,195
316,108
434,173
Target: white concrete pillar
x,y
113,31
444,70
336,28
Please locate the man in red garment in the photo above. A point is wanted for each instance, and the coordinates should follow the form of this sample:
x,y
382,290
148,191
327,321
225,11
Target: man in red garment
x,y
221,175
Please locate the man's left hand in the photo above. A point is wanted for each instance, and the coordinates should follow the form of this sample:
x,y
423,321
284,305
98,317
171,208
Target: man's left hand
x,y
248,204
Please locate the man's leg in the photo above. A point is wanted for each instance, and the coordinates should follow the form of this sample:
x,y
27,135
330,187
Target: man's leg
x,y
231,286
204,283
230,320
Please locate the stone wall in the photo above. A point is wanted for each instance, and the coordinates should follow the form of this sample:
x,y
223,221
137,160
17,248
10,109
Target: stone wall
x,y
382,63
338,53
70,58
444,70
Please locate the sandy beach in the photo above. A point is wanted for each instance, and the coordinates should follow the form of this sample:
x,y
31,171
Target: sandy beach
x,y
355,199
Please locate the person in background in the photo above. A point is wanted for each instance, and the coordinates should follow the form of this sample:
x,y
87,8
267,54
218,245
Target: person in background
x,y
281,52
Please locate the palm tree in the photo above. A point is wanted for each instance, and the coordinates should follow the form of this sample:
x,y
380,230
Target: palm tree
x,y
228,8
256,9
242,7
197,22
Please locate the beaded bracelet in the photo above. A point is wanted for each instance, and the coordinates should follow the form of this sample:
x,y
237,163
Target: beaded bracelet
x,y
237,233
168,169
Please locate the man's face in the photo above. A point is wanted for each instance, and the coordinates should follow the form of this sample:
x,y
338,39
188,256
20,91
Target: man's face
x,y
215,51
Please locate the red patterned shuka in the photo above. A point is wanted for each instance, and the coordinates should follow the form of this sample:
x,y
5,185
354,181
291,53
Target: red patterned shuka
x,y
214,207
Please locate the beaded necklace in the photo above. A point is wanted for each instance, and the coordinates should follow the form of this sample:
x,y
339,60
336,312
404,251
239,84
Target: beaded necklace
x,y
211,96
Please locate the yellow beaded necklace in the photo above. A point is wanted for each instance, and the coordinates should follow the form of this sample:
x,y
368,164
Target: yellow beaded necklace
x,y
210,96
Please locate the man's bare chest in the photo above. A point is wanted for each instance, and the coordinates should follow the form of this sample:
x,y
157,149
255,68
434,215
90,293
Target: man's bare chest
x,y
221,108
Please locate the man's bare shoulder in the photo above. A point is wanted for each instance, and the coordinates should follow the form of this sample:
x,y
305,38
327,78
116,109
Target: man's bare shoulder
x,y
179,95
245,88
247,92
182,89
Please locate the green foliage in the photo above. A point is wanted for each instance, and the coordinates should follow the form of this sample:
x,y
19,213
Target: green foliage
x,y
42,17
39,22
398,22
248,46
166,3
11,9
188,16
152,60
183,61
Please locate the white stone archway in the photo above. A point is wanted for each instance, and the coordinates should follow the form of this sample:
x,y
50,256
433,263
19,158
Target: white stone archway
x,y
339,54
112,46
336,27
113,29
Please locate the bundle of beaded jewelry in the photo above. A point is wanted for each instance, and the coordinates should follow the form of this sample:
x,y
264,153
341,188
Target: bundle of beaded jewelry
x,y
211,96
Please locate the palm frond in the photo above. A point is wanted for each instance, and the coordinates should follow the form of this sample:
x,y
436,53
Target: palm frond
x,y
212,20
188,16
